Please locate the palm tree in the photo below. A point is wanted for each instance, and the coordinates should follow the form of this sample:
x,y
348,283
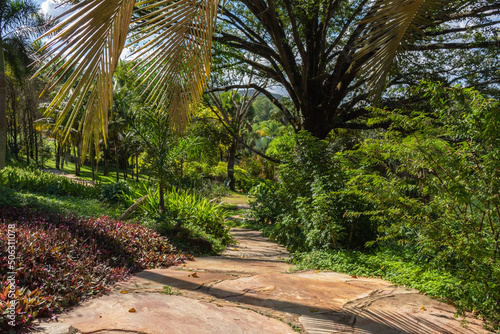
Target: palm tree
x,y
174,51
18,20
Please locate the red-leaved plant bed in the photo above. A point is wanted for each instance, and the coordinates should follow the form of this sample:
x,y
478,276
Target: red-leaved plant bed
x,y
62,260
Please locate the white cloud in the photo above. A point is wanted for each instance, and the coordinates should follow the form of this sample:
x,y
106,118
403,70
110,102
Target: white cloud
x,y
50,7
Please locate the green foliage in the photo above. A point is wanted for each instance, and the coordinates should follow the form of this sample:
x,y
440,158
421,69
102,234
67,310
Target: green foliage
x,y
202,217
309,208
70,205
61,260
435,180
35,180
111,193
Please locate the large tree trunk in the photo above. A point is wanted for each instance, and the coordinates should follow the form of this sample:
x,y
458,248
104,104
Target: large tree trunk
x,y
3,110
230,163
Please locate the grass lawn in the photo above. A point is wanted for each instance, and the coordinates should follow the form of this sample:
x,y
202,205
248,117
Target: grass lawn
x,y
86,173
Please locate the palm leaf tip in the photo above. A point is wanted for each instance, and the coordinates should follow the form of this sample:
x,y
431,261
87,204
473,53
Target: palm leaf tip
x,y
391,26
81,57
176,55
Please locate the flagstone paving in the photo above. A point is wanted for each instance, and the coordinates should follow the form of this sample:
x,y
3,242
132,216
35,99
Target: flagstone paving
x,y
251,289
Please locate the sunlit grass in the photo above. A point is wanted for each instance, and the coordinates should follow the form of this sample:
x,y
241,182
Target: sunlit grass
x,y
86,172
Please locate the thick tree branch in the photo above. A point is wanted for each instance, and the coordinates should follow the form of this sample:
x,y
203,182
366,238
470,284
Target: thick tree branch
x,y
453,46
270,96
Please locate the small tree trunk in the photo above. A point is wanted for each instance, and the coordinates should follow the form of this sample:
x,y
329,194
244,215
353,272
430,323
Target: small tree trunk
x,y
230,163
105,162
137,168
117,166
63,154
92,162
3,110
58,156
78,159
162,198
125,168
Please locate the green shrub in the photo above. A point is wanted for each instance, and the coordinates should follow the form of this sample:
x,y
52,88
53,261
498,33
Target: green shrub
x,y
310,208
204,218
111,193
34,180
435,180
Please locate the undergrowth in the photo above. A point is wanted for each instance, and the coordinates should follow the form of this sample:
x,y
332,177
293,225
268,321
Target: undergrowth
x,y
61,260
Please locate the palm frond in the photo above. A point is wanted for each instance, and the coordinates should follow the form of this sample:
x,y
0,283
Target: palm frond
x,y
392,26
175,55
81,56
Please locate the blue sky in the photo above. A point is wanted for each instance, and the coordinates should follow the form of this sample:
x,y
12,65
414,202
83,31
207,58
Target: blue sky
x,y
49,7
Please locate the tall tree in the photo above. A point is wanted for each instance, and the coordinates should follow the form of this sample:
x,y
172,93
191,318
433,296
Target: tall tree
x,y
232,110
18,20
333,57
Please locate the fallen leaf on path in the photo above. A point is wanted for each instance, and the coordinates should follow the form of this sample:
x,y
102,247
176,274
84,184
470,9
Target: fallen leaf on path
x,y
123,291
132,310
195,275
423,308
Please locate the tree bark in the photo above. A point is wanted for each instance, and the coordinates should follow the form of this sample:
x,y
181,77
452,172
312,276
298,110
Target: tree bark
x,y
3,110
162,197
137,168
117,166
230,163
92,162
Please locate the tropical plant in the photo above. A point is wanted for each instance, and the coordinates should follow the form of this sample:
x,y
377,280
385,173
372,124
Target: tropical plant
x,y
335,40
19,19
175,51
434,179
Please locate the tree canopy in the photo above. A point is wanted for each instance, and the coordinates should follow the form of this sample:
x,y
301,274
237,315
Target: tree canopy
x,y
334,57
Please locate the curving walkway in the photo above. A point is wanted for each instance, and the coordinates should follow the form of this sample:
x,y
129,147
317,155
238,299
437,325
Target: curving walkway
x,y
250,290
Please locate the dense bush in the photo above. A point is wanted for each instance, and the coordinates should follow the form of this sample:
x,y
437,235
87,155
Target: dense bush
x,y
203,218
435,179
34,180
61,260
310,207
111,193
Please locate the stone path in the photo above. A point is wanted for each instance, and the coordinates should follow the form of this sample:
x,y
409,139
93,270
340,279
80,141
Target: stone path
x,y
72,177
249,289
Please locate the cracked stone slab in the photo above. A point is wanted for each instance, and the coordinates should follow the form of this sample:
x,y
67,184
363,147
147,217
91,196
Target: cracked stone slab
x,y
251,244
237,265
412,313
156,279
160,313
294,294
